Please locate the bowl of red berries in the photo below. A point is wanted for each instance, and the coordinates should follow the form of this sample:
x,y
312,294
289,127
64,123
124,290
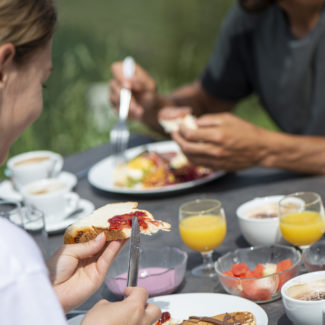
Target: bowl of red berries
x,y
258,273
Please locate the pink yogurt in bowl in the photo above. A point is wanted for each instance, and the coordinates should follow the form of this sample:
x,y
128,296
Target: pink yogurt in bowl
x,y
161,271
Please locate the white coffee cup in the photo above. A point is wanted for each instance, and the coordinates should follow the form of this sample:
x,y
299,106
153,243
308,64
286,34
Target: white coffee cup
x,y
33,165
52,196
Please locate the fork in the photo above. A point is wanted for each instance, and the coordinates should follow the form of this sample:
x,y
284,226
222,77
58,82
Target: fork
x,y
119,135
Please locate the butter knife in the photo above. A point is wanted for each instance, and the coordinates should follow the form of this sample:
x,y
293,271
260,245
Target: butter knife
x,y
134,254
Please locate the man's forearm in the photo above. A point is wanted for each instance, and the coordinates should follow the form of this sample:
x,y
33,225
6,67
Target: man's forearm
x,y
303,154
194,96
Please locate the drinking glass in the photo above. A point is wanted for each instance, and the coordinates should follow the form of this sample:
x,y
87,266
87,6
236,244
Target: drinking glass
x,y
12,211
34,224
28,218
302,220
202,227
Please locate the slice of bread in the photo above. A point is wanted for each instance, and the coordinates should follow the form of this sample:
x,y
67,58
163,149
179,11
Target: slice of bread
x,y
242,317
173,124
89,227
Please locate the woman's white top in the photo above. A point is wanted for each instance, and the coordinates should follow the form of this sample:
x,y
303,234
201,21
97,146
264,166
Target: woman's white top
x,y
26,294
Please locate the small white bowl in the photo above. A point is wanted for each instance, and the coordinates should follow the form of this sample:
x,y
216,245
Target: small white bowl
x,y
302,312
258,231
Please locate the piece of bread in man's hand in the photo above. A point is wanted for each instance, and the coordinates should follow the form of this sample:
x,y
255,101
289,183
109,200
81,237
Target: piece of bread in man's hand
x,y
172,119
115,220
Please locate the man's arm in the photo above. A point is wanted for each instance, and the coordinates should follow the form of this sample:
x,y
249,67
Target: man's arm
x,y
225,142
304,154
192,96
201,102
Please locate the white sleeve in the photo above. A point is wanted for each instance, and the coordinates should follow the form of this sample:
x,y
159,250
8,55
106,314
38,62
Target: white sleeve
x,y
26,294
30,301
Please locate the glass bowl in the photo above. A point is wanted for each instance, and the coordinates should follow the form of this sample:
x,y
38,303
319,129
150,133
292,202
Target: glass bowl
x,y
313,257
262,283
161,271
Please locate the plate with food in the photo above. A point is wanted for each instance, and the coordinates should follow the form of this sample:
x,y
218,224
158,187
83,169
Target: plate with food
x,y
198,308
149,169
204,309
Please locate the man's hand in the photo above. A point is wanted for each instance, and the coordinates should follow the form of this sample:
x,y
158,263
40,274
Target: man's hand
x,y
144,91
223,142
133,310
78,270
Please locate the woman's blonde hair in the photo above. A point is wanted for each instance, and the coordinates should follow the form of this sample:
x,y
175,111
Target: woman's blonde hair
x,y
27,24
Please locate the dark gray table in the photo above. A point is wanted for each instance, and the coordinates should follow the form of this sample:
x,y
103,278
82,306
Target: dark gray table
x,y
232,190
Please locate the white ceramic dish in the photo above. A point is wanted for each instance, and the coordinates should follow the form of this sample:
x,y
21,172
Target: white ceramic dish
x,y
302,312
181,306
259,231
7,191
101,174
53,226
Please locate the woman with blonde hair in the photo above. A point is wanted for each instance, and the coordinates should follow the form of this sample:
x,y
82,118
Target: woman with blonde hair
x,y
30,291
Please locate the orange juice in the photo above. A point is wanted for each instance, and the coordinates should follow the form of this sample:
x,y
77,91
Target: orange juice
x,y
302,228
203,233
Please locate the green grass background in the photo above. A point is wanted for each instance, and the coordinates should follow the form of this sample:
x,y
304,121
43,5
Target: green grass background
x,y
171,39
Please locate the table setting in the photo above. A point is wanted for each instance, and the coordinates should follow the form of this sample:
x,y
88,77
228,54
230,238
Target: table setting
x,y
191,294
233,190
37,179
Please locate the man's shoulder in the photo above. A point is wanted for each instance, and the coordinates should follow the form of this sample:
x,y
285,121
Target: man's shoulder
x,y
241,21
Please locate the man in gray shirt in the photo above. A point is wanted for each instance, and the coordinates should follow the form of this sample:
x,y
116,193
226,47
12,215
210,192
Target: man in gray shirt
x,y
277,53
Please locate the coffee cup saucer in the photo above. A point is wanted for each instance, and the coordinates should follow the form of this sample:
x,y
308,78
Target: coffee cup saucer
x,y
8,192
53,226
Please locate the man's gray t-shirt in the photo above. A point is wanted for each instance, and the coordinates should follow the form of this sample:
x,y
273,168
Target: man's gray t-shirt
x,y
257,53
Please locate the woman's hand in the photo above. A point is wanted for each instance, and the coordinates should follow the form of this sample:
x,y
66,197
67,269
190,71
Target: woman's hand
x,y
223,142
133,310
78,270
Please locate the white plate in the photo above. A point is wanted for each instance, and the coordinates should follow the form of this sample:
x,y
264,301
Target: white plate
x,y
75,320
52,226
7,191
182,306
101,174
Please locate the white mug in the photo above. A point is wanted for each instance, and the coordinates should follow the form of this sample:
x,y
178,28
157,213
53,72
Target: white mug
x,y
33,165
52,196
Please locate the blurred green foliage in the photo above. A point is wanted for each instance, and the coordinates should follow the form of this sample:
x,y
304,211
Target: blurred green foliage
x,y
171,39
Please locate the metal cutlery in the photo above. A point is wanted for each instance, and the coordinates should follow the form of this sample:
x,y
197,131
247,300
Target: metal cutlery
x,y
134,254
119,135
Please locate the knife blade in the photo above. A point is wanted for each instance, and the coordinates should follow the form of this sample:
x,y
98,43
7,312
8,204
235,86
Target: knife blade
x,y
134,254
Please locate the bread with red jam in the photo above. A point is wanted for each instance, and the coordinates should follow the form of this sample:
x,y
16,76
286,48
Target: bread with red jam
x,y
115,220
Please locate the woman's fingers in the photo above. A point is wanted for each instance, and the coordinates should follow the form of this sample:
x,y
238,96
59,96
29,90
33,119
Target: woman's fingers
x,y
109,254
152,314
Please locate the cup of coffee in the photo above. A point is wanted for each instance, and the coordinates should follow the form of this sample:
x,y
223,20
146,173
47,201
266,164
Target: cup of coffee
x,y
52,196
30,166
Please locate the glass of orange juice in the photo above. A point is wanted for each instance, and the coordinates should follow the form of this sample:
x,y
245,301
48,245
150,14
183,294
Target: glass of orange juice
x,y
302,220
202,226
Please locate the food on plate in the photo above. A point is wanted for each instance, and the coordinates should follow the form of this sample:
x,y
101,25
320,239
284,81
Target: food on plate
x,y
238,318
153,169
173,123
115,220
256,284
309,291
166,319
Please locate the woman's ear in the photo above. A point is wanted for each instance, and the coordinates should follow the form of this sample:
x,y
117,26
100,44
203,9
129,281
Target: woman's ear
x,y
7,53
